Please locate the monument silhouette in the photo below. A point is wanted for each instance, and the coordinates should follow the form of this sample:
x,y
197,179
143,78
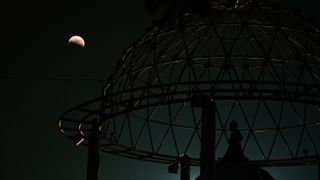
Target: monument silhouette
x,y
234,164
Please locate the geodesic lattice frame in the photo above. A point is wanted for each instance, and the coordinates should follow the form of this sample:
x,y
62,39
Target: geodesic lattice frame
x,y
259,63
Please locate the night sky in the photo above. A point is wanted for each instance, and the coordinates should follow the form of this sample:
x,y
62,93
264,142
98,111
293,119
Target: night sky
x,y
42,76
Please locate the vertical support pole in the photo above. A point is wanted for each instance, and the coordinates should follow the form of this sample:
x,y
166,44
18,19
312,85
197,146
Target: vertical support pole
x,y
185,167
93,153
318,167
208,135
208,130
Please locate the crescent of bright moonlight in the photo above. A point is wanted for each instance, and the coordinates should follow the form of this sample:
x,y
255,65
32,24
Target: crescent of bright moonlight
x,y
78,40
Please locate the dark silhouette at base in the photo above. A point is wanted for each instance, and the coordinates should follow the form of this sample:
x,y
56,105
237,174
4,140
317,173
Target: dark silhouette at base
x,y
234,152
235,165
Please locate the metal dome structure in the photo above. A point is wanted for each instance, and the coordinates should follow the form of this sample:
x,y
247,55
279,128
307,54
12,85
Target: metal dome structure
x,y
259,63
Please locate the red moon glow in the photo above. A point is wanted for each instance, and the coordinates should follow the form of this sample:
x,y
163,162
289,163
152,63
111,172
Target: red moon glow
x,y
77,40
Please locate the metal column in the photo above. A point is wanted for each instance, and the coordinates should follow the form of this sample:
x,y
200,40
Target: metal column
x,y
93,153
185,167
318,167
208,133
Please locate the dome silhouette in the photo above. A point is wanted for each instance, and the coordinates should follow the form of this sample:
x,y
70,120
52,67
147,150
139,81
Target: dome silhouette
x,y
260,64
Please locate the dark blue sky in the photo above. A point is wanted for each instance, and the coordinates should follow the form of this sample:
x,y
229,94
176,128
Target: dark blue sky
x,y
35,57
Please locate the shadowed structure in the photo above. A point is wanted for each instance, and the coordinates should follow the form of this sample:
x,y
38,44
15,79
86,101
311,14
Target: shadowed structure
x,y
258,62
234,152
234,164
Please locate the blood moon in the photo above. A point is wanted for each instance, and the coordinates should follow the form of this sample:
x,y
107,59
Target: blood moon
x,y
77,40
